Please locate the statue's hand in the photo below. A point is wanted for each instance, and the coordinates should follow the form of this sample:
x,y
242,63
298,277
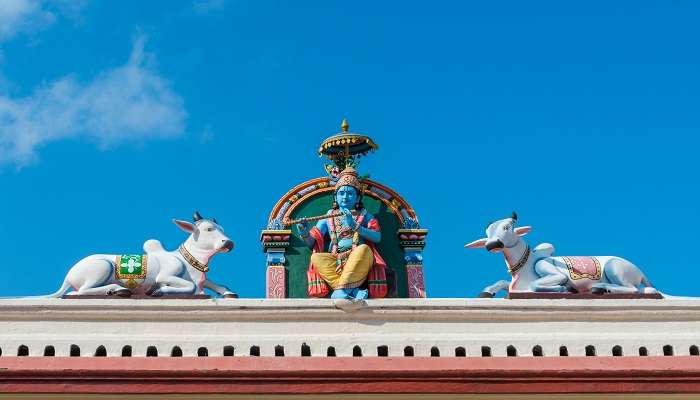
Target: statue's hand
x,y
349,220
339,269
303,229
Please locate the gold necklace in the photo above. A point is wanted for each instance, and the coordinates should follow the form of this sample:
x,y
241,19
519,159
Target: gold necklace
x,y
193,261
523,259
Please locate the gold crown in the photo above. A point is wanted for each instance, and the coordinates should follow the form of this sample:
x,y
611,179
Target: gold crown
x,y
348,177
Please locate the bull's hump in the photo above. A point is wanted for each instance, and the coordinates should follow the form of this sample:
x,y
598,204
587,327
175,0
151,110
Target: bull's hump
x,y
152,246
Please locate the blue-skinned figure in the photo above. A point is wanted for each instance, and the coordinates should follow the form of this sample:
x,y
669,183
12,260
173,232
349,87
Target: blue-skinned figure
x,y
346,259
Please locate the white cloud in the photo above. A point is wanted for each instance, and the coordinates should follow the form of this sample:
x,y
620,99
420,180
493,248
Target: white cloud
x,y
129,103
23,16
206,6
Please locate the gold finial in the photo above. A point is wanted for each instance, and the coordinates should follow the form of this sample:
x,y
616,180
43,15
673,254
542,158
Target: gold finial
x,y
344,125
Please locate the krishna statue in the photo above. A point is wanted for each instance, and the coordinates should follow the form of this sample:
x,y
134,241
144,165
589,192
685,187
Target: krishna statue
x,y
343,235
345,260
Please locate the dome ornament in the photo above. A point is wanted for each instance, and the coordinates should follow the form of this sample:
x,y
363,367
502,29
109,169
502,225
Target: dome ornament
x,y
345,149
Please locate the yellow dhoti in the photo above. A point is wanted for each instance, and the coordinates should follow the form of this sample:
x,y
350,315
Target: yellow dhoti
x,y
354,271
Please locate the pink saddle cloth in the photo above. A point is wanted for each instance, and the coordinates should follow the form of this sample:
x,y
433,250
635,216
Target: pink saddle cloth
x,y
583,267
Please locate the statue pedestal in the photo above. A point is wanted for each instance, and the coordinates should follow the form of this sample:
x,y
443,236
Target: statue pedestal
x,y
141,297
540,295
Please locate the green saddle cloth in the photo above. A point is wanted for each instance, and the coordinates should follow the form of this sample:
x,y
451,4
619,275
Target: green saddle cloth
x,y
131,269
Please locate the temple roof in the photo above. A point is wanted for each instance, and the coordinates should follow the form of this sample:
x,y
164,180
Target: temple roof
x,y
302,346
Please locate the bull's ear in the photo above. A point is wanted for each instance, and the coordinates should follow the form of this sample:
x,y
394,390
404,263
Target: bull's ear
x,y
184,225
522,230
477,244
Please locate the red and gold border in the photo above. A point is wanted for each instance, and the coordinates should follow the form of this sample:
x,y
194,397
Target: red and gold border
x,y
361,375
396,203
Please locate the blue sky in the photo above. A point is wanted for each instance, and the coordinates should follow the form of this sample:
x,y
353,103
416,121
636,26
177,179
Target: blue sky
x,y
116,117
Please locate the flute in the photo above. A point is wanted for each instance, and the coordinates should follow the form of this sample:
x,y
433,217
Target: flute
x,y
310,219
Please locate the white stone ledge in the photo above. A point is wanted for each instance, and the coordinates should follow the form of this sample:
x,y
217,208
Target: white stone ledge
x,y
423,324
386,309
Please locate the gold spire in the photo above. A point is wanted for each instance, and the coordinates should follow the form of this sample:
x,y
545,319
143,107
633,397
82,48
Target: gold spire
x,y
344,125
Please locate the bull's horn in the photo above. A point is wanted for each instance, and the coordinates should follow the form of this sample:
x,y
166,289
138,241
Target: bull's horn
x,y
196,217
214,219
514,216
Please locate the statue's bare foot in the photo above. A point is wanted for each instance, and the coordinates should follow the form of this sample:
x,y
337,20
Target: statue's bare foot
x,y
361,294
341,294
230,295
349,305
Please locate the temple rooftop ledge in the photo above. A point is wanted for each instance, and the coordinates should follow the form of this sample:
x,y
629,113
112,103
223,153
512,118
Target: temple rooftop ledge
x,y
315,327
280,309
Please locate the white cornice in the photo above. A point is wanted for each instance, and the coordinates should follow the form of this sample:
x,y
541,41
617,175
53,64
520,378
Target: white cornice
x,y
386,309
423,324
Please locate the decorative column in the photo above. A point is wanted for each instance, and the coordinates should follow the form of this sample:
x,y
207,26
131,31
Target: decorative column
x,y
275,243
413,241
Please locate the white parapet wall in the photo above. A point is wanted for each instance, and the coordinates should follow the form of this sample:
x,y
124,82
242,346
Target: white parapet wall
x,y
393,327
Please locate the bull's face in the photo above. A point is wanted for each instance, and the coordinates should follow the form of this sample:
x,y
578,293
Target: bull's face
x,y
207,235
500,235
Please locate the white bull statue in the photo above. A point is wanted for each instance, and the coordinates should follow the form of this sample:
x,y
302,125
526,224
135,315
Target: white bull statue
x,y
156,273
536,270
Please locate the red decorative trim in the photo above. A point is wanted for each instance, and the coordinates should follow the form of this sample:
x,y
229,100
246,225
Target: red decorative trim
x,y
298,375
370,183
295,189
416,281
276,282
316,192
